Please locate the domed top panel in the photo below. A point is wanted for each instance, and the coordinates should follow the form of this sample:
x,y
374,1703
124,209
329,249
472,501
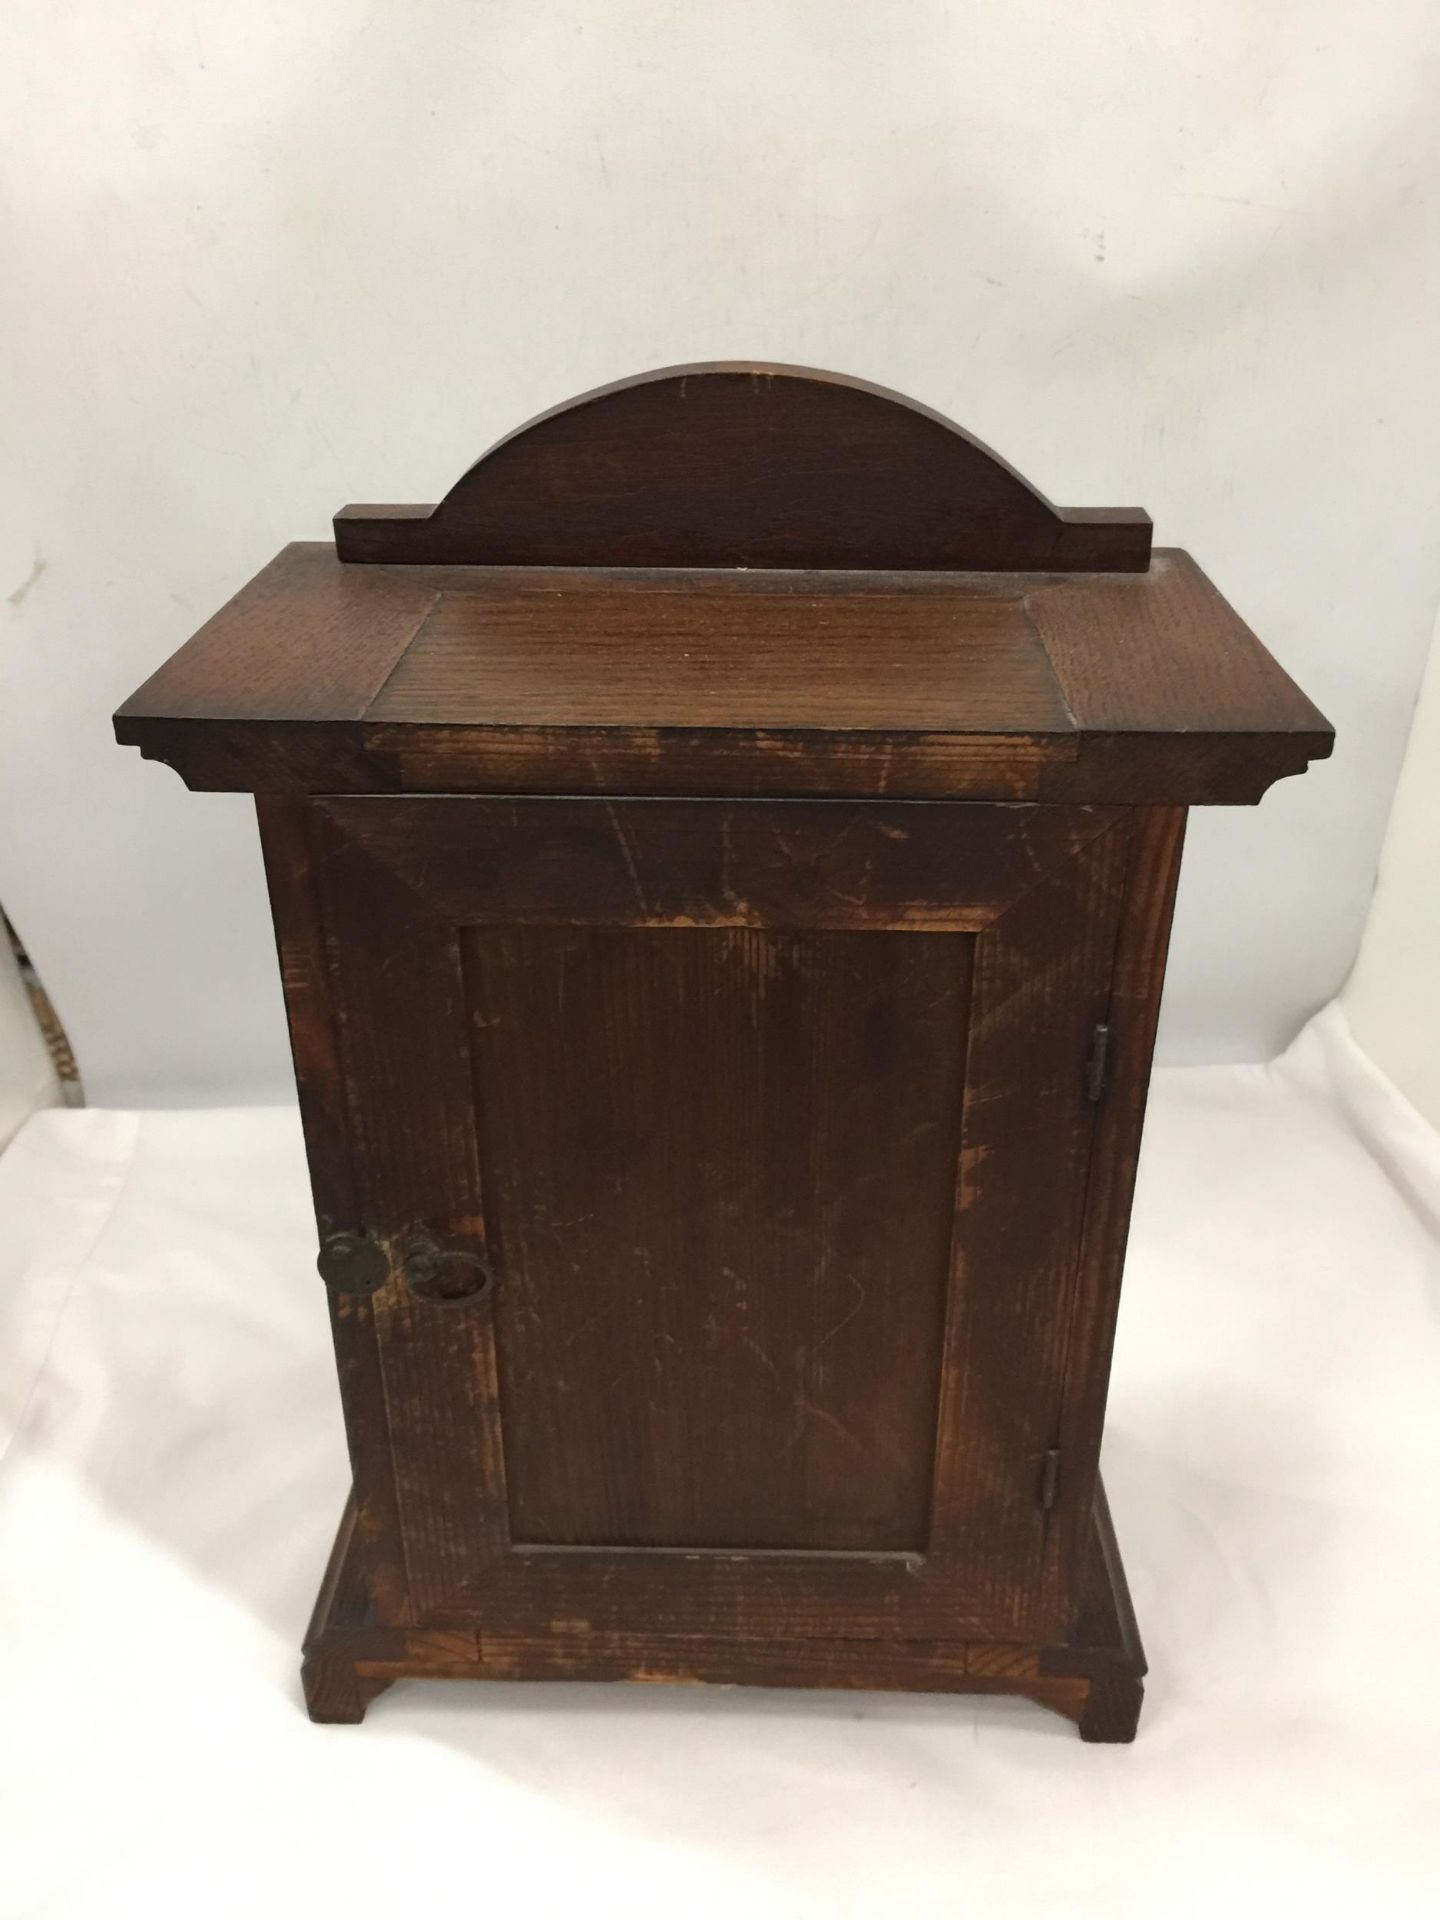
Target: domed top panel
x,y
739,465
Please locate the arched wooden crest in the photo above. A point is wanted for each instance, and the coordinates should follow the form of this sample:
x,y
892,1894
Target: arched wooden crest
x,y
738,465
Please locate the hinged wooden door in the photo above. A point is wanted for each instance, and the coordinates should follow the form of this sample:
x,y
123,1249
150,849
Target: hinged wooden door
x,y
745,1145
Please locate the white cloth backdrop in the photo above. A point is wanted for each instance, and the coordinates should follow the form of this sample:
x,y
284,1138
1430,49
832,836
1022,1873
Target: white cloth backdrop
x,y
173,1469
262,259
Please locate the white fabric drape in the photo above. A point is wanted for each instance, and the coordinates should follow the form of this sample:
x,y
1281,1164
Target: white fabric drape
x,y
173,1466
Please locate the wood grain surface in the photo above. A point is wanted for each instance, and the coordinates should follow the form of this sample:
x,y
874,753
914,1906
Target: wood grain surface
x,y
783,1209
715,1329
741,464
722,862
1094,1675
1128,688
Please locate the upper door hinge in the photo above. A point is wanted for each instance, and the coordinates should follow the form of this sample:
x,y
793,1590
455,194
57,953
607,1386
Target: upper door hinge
x,y
1049,1478
1097,1063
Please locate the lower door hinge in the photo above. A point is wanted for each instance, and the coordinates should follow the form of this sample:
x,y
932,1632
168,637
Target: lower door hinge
x,y
1049,1478
1097,1062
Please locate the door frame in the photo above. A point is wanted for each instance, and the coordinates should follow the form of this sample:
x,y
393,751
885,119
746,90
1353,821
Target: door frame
x,y
653,863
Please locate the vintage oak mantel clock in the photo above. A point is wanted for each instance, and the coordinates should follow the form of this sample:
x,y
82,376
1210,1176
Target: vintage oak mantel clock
x,y
722,859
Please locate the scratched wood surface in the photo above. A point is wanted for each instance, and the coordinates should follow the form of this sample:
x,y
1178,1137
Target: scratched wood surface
x,y
715,1328
733,580
706,853
1118,687
1093,1676
760,1186
628,862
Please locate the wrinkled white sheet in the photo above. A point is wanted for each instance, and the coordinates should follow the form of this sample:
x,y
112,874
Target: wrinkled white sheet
x,y
172,1470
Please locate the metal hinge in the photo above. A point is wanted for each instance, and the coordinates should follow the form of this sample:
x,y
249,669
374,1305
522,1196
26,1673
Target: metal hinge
x,y
1098,1061
1049,1478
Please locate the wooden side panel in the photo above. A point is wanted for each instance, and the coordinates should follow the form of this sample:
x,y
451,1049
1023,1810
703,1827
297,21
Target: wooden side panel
x,y
1156,842
719,1167
1041,983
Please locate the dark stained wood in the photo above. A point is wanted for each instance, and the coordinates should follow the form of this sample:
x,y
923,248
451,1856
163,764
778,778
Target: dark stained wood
x,y
912,865
340,1202
305,640
1132,1011
346,1609
1092,1676
1134,662
1041,976
703,653
708,1329
744,465
337,1692
969,686
398,995
698,917
724,1199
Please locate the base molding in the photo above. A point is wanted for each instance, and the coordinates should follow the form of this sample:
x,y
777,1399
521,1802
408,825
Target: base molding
x,y
1094,1679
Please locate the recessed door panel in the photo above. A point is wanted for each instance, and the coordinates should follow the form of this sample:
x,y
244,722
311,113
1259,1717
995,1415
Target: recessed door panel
x,y
719,1171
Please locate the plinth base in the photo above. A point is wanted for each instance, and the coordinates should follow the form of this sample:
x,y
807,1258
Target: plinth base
x,y
1095,1679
